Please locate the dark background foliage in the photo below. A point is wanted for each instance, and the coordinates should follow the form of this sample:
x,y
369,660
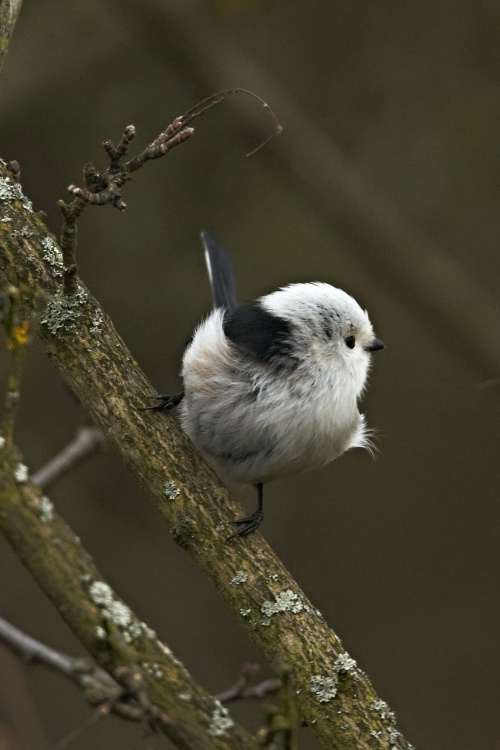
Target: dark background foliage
x,y
401,553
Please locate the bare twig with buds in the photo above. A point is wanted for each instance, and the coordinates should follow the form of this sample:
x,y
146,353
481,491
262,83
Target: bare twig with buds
x,y
103,189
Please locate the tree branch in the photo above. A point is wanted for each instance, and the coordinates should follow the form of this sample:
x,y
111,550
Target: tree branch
x,y
101,189
114,636
81,671
243,689
9,11
334,695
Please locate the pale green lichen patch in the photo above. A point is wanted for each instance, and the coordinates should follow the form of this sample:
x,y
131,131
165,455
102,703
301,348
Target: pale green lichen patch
x,y
63,311
46,509
324,688
101,593
170,490
185,697
2,441
383,710
165,648
118,613
12,191
240,578
345,664
286,601
96,322
152,668
394,737
245,612
21,473
220,721
52,256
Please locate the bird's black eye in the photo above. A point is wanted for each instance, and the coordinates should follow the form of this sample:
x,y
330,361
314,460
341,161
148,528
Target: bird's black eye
x,y
350,341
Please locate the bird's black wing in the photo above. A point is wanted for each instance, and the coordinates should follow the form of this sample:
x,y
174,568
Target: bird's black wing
x,y
220,271
265,336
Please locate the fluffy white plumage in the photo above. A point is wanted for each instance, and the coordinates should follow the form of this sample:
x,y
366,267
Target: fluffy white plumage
x,y
271,388
257,419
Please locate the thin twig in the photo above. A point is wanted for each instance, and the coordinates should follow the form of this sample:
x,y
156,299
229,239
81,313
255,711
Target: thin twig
x,y
71,212
104,189
283,719
211,101
87,441
80,670
100,713
124,696
242,689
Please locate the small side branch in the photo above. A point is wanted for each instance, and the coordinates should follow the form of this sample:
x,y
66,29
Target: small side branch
x,y
101,190
243,689
87,441
71,212
125,696
80,670
211,101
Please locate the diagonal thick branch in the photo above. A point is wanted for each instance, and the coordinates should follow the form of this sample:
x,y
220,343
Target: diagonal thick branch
x,y
334,695
119,642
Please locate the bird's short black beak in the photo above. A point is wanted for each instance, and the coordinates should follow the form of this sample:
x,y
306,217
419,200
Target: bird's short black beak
x,y
375,345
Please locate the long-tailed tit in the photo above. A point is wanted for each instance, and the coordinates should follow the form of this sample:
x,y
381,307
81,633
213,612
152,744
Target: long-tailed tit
x,y
271,388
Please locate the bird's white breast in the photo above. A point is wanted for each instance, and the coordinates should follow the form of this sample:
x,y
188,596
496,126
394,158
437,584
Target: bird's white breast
x,y
254,427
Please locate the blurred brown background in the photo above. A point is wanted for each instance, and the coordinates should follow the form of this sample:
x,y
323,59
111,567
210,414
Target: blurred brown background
x,y
389,158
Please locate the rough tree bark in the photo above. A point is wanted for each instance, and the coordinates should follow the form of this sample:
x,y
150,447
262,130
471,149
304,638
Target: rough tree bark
x,y
333,694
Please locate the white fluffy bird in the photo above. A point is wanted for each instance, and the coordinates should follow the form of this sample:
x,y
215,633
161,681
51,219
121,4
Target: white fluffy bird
x,y
271,388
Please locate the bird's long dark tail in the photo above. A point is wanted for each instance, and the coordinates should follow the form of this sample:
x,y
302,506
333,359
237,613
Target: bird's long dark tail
x,y
220,271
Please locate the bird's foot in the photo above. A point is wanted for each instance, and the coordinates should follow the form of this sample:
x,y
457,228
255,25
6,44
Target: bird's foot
x,y
248,524
165,403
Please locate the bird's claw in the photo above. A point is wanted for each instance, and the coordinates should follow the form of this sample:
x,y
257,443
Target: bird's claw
x,y
165,402
249,524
